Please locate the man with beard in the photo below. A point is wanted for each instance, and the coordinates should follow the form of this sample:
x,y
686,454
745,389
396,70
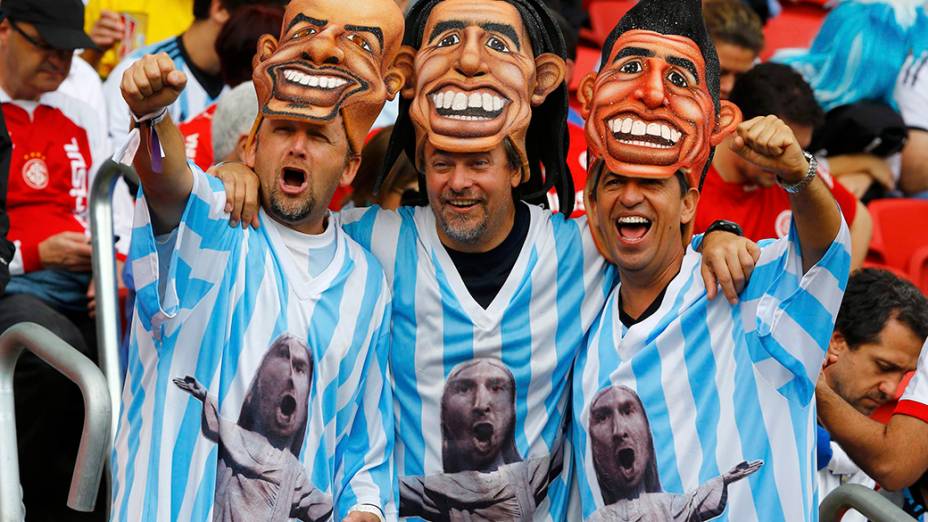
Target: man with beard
x,y
479,274
624,460
259,455
212,297
722,383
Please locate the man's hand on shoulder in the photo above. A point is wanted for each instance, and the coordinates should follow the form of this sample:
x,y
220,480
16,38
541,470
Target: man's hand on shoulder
x,y
727,261
152,83
242,188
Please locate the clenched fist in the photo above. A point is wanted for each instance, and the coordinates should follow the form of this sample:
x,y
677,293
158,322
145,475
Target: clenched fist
x,y
152,83
770,144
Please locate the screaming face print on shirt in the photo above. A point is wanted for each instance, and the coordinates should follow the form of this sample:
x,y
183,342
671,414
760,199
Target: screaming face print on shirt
x,y
259,472
484,476
626,467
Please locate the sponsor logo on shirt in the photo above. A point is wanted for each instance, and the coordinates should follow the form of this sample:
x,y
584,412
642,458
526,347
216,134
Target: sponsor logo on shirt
x,y
78,180
35,171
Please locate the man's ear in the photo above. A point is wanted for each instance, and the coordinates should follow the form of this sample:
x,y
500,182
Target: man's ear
x,y
351,170
550,71
838,344
238,152
218,12
728,120
688,206
405,65
394,81
267,45
585,94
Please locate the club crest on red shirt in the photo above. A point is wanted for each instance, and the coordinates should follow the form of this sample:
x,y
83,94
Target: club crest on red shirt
x,y
35,172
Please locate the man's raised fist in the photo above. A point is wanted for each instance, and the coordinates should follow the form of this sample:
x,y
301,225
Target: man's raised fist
x,y
152,83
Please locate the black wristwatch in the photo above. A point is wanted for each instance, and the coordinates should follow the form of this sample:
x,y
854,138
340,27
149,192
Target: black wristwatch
x,y
725,226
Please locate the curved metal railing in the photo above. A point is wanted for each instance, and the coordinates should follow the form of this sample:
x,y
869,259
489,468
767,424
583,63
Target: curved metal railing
x,y
95,436
868,502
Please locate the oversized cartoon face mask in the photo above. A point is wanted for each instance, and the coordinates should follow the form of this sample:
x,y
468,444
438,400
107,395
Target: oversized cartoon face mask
x,y
477,78
649,112
333,55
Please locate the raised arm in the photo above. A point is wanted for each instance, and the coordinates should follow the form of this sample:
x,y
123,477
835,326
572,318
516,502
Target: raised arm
x,y
769,143
149,87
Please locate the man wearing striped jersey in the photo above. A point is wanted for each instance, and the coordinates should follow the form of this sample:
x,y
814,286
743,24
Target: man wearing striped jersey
x,y
724,386
276,339
479,275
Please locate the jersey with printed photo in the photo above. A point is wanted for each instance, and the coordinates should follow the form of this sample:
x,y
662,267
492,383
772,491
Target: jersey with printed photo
x,y
253,391
481,394
704,410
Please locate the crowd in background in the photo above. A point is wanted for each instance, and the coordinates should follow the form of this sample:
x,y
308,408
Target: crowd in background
x,y
856,97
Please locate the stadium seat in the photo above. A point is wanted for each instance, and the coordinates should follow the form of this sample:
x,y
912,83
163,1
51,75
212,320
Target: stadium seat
x,y
918,268
795,27
604,15
899,227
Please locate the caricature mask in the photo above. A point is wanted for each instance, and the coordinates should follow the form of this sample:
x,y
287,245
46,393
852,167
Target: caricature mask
x,y
333,55
653,109
477,77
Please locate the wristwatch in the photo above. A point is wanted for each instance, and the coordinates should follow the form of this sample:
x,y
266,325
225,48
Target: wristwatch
x,y
723,225
794,188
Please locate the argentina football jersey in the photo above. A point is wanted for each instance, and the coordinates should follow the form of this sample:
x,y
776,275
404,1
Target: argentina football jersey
x,y
705,410
481,393
253,391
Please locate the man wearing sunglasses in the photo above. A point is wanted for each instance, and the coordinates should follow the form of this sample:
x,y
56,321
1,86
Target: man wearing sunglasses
x,y
57,140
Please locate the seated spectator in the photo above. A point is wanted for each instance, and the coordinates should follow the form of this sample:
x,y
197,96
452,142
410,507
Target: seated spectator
x,y
738,35
121,27
194,53
235,46
741,192
57,141
877,339
912,96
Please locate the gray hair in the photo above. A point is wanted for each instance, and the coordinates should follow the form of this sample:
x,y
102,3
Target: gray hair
x,y
235,113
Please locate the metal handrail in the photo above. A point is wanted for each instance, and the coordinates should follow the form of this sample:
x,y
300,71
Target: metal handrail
x,y
868,502
95,435
104,279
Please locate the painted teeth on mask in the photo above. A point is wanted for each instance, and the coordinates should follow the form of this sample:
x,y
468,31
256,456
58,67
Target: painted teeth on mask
x,y
638,128
456,105
312,80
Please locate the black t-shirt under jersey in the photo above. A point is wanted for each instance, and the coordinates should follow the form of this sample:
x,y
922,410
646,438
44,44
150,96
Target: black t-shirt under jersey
x,y
485,273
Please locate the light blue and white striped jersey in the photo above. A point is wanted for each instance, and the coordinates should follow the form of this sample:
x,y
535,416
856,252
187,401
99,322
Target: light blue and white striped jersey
x,y
482,394
690,401
252,390
194,99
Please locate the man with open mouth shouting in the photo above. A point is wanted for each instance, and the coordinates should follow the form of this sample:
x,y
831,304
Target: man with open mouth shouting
x,y
295,307
479,274
724,385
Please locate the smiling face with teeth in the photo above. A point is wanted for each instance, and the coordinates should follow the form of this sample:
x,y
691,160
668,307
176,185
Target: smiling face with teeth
x,y
477,78
621,444
649,111
279,395
478,417
333,56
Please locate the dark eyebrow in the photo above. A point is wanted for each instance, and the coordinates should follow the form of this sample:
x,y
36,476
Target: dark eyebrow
x,y
506,30
632,51
685,63
300,17
367,29
441,27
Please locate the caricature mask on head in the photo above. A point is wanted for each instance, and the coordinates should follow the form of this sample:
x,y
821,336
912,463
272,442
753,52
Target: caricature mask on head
x,y
333,55
653,109
477,76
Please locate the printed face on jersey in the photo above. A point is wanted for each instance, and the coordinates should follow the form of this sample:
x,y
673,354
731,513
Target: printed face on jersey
x,y
477,78
333,55
281,388
649,112
478,416
620,440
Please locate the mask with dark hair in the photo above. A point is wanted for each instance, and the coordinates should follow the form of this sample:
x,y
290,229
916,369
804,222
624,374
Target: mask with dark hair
x,y
483,72
653,108
333,56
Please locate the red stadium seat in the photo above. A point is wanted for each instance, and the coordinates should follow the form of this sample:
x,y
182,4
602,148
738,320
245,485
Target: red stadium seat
x,y
796,26
604,15
918,268
899,229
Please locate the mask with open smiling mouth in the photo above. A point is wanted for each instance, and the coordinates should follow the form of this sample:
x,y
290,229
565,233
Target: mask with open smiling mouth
x,y
333,56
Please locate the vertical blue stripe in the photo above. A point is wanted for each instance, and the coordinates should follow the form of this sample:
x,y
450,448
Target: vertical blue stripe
x,y
206,493
516,350
134,420
457,326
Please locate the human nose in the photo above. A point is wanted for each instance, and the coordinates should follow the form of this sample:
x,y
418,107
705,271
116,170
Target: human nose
x,y
482,399
651,91
631,194
459,179
618,428
323,49
888,386
298,147
470,59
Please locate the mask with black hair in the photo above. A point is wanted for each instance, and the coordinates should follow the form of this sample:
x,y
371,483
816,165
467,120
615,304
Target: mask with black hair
x,y
481,72
653,108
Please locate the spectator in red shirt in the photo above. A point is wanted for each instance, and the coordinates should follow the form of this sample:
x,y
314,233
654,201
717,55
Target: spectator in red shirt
x,y
737,191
